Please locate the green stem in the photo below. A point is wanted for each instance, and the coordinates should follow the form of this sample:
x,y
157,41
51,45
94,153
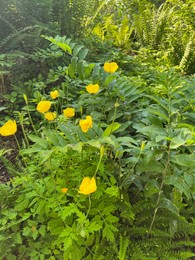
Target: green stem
x,y
30,118
19,148
98,165
160,192
89,206
23,131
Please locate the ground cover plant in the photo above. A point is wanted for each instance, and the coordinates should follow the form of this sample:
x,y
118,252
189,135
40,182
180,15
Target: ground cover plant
x,y
106,164
97,134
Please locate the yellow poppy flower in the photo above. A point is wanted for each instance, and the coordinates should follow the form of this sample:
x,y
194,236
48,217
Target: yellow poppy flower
x,y
87,186
85,124
54,94
9,128
50,116
69,112
43,106
64,190
93,88
110,67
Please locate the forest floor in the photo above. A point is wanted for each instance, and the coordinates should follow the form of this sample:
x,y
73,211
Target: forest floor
x,y
8,160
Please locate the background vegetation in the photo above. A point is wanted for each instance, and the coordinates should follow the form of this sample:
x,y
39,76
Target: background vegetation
x,y
140,148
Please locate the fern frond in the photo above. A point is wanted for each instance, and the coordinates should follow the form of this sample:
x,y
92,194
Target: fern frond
x,y
16,37
7,23
124,242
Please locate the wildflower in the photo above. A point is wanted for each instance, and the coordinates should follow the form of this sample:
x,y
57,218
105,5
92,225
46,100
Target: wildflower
x,y
50,116
69,112
92,88
9,128
110,67
43,106
64,190
85,124
87,186
54,94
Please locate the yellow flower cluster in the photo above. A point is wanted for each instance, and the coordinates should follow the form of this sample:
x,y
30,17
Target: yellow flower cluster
x,y
85,124
110,67
50,116
9,128
92,88
43,106
69,112
54,94
88,186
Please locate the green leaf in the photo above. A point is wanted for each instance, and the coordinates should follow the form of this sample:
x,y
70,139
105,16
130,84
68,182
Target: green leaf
x,y
169,205
77,49
83,53
187,160
151,188
40,141
94,226
112,191
109,231
110,129
55,138
177,142
17,238
76,147
72,68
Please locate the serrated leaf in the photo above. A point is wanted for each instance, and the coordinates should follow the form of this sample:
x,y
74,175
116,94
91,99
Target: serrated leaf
x,y
112,191
109,231
94,226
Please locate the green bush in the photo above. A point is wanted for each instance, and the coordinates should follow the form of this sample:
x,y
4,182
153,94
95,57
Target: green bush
x,y
139,147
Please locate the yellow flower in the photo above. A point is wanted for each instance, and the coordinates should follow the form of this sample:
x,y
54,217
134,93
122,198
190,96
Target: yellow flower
x,y
50,116
110,67
87,186
9,128
69,112
93,88
85,124
64,190
43,106
54,94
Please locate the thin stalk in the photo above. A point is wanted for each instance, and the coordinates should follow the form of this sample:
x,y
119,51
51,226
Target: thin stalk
x,y
89,206
160,192
23,131
98,165
19,148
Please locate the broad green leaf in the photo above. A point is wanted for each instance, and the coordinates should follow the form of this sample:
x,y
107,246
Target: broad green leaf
x,y
76,147
77,49
187,160
82,53
80,69
72,68
38,140
68,133
110,129
169,205
55,138
177,142
151,187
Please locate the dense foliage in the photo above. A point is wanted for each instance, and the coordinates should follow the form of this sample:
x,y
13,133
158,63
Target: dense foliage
x,y
105,131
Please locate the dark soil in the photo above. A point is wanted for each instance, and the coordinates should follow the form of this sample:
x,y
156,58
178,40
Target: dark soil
x,y
9,158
